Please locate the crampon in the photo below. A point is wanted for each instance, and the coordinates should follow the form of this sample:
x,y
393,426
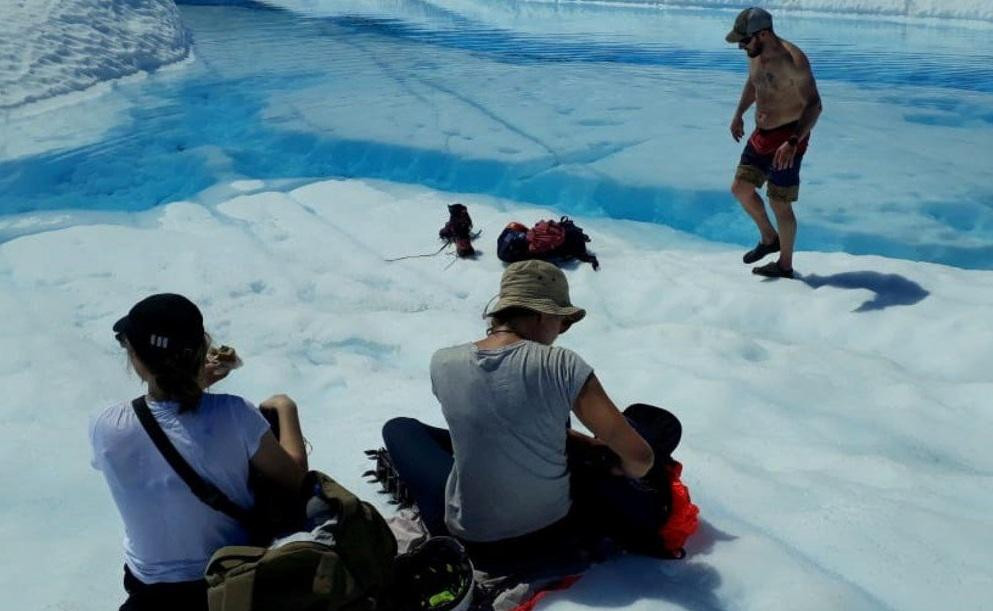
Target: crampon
x,y
385,474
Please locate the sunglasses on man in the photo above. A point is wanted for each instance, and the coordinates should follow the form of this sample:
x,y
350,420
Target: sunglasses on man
x,y
744,42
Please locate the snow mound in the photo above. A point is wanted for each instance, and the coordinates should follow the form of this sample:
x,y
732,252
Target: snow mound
x,y
53,47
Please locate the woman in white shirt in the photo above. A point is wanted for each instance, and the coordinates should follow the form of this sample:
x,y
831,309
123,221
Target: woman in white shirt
x,y
170,533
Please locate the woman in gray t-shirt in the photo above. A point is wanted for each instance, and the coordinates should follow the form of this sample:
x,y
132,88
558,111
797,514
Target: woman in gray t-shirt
x,y
501,473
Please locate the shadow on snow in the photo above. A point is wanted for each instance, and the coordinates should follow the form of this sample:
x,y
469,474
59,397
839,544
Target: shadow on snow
x,y
889,289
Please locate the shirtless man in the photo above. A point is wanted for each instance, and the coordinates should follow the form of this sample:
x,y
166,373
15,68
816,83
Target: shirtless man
x,y
787,105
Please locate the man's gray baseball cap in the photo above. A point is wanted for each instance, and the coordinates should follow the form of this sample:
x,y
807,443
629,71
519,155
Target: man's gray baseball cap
x,y
749,21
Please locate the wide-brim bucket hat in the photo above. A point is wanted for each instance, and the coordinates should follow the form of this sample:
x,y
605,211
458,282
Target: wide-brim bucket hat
x,y
539,286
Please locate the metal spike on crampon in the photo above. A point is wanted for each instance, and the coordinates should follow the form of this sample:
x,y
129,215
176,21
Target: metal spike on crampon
x,y
385,474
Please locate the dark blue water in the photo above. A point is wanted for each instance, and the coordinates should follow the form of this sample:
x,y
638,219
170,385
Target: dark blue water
x,y
158,153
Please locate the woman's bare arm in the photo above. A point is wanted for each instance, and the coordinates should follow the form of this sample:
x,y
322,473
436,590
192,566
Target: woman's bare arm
x,y
282,461
599,414
290,433
277,466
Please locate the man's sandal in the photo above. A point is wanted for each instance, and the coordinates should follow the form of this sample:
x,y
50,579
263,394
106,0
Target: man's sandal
x,y
772,270
761,250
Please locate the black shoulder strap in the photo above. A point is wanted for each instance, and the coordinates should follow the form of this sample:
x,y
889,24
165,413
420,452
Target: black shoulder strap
x,y
204,490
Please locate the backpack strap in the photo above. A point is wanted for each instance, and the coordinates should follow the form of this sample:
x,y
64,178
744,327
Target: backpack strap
x,y
207,492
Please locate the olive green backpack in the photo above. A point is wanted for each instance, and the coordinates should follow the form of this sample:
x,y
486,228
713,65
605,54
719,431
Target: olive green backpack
x,y
351,572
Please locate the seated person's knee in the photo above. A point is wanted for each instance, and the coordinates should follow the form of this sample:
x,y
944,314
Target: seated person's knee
x,y
397,426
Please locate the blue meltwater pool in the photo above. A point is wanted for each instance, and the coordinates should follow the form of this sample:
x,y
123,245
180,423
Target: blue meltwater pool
x,y
593,109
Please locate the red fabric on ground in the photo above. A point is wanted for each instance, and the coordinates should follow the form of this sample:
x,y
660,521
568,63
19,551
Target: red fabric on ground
x,y
683,520
562,584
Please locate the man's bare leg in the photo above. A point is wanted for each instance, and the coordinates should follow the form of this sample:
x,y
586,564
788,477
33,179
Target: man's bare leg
x,y
786,222
750,200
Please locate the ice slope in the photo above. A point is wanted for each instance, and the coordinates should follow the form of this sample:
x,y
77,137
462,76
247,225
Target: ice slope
x,y
54,47
836,434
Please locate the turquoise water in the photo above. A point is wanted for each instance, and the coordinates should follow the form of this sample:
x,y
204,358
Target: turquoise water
x,y
593,110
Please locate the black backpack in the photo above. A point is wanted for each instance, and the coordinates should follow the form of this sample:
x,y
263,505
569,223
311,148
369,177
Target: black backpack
x,y
552,241
512,245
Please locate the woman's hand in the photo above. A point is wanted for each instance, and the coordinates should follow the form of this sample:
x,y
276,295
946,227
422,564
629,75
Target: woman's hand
x,y
220,361
592,452
213,372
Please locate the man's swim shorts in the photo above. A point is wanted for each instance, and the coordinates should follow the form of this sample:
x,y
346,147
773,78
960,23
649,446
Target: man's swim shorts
x,y
756,162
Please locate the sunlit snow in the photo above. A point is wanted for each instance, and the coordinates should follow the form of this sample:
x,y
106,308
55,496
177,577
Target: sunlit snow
x,y
836,439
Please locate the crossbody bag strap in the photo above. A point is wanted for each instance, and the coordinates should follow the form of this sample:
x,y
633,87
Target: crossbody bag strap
x,y
204,490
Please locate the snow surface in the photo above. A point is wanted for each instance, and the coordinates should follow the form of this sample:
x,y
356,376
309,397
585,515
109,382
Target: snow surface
x,y
836,439
836,432
54,47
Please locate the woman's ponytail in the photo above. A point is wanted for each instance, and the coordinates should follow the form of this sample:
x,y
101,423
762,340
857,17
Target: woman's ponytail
x,y
178,376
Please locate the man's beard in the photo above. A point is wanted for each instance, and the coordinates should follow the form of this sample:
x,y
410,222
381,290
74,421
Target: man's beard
x,y
756,52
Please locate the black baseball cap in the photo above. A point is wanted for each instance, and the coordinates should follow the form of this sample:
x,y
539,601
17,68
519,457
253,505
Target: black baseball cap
x,y
162,325
748,23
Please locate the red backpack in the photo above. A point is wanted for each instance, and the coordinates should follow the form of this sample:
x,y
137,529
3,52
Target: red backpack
x,y
545,237
554,241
